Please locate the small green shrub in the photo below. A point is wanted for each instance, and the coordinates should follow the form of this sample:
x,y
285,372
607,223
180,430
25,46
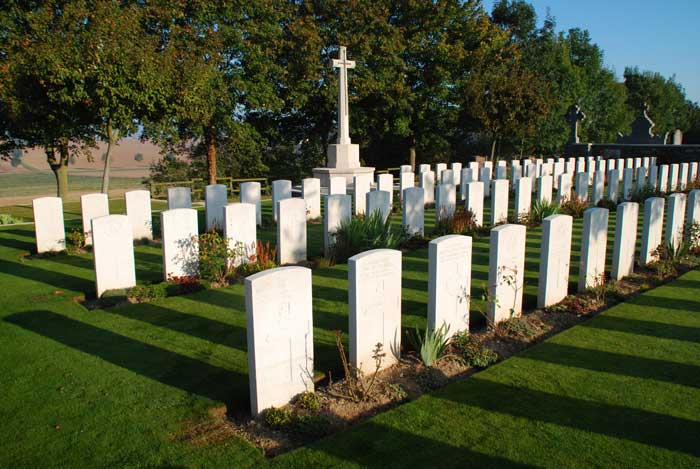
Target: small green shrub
x,y
573,206
308,401
75,241
461,221
397,392
310,426
541,210
360,234
6,219
472,350
276,418
214,255
515,327
640,195
607,203
263,258
431,345
668,259
147,293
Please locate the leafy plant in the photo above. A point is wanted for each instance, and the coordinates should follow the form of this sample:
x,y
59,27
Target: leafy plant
x,y
607,203
183,285
432,344
308,401
359,234
310,426
461,221
357,387
396,391
515,327
541,210
277,418
573,206
263,258
6,219
214,255
75,241
472,350
640,195
668,259
147,293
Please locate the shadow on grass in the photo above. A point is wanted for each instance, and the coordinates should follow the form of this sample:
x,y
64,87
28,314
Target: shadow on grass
x,y
164,366
668,303
52,278
648,328
616,363
650,428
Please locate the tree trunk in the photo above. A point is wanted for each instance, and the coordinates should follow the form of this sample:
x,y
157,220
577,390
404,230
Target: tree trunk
x,y
493,148
111,138
412,157
59,166
211,154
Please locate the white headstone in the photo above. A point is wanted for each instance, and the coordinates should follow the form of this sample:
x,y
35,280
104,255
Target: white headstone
x,y
250,194
485,177
280,336
385,182
113,252
620,165
582,186
49,230
466,177
692,215
544,189
627,180
338,185
423,168
427,182
291,231
445,201
406,168
413,213
457,172
379,201
439,168
474,201
215,199
337,210
673,177
641,177
311,193
240,231
625,240
516,172
92,206
499,201
506,272
406,180
281,190
610,164
523,197
629,163
361,186
565,182
501,172
693,176
449,282
447,177
683,176
179,197
675,219
374,296
613,185
594,241
179,230
555,258
474,166
652,229
654,176
598,186
138,209
663,178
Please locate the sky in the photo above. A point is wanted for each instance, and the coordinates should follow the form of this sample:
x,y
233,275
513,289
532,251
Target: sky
x,y
662,36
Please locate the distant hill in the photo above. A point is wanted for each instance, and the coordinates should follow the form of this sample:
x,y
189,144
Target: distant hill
x,y
124,161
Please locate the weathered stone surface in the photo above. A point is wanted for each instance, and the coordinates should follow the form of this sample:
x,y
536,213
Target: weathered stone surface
x,y
544,189
49,230
445,201
179,229
594,239
652,229
406,180
673,177
641,179
499,201
506,272
361,188
338,185
179,197
413,213
466,177
523,197
113,253
598,186
379,201
485,177
240,231
439,168
250,194
138,209
427,182
675,219
625,240
215,199
291,231
474,201
582,186
627,180
457,172
555,258
683,176
279,324
92,206
337,210
311,193
663,178
406,168
385,182
654,176
374,294
613,185
423,168
281,190
449,282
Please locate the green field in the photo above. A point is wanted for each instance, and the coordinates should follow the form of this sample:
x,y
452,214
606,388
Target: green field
x,y
43,183
112,387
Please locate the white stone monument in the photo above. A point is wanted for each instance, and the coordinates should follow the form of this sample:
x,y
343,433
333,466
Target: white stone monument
x,y
582,186
385,182
598,186
427,182
240,231
280,331
361,187
445,201
138,209
553,285
449,282
485,177
379,201
179,197
311,193
338,185
652,229
374,296
179,231
544,189
613,185
337,210
499,201
594,241
564,193
675,219
49,229
281,190
474,201
291,231
523,197
215,199
92,206
251,194
406,180
113,253
625,240
627,180
413,211
506,272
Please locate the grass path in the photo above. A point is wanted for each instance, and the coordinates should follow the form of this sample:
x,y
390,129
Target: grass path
x,y
111,387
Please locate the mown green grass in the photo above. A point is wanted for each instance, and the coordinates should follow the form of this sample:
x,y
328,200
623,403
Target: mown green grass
x,y
113,387
41,182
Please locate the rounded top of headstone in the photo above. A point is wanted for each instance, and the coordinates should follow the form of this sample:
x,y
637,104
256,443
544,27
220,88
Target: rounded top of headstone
x,y
374,253
292,270
95,195
508,227
451,238
559,218
138,192
173,212
216,186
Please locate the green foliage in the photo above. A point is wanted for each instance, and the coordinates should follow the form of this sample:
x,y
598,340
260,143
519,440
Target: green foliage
x,y
147,293
640,195
360,234
432,344
516,328
277,418
668,257
461,221
573,206
214,255
6,219
472,350
541,210
75,240
607,203
263,258
311,426
138,157
308,401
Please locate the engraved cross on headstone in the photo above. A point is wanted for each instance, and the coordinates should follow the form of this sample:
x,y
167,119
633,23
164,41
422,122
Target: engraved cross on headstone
x,y
343,64
573,116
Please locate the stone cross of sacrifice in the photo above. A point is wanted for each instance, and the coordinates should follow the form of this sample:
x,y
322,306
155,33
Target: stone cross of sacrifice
x,y
574,116
343,64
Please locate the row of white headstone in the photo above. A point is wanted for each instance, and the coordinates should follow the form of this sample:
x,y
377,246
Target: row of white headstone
x,y
279,301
